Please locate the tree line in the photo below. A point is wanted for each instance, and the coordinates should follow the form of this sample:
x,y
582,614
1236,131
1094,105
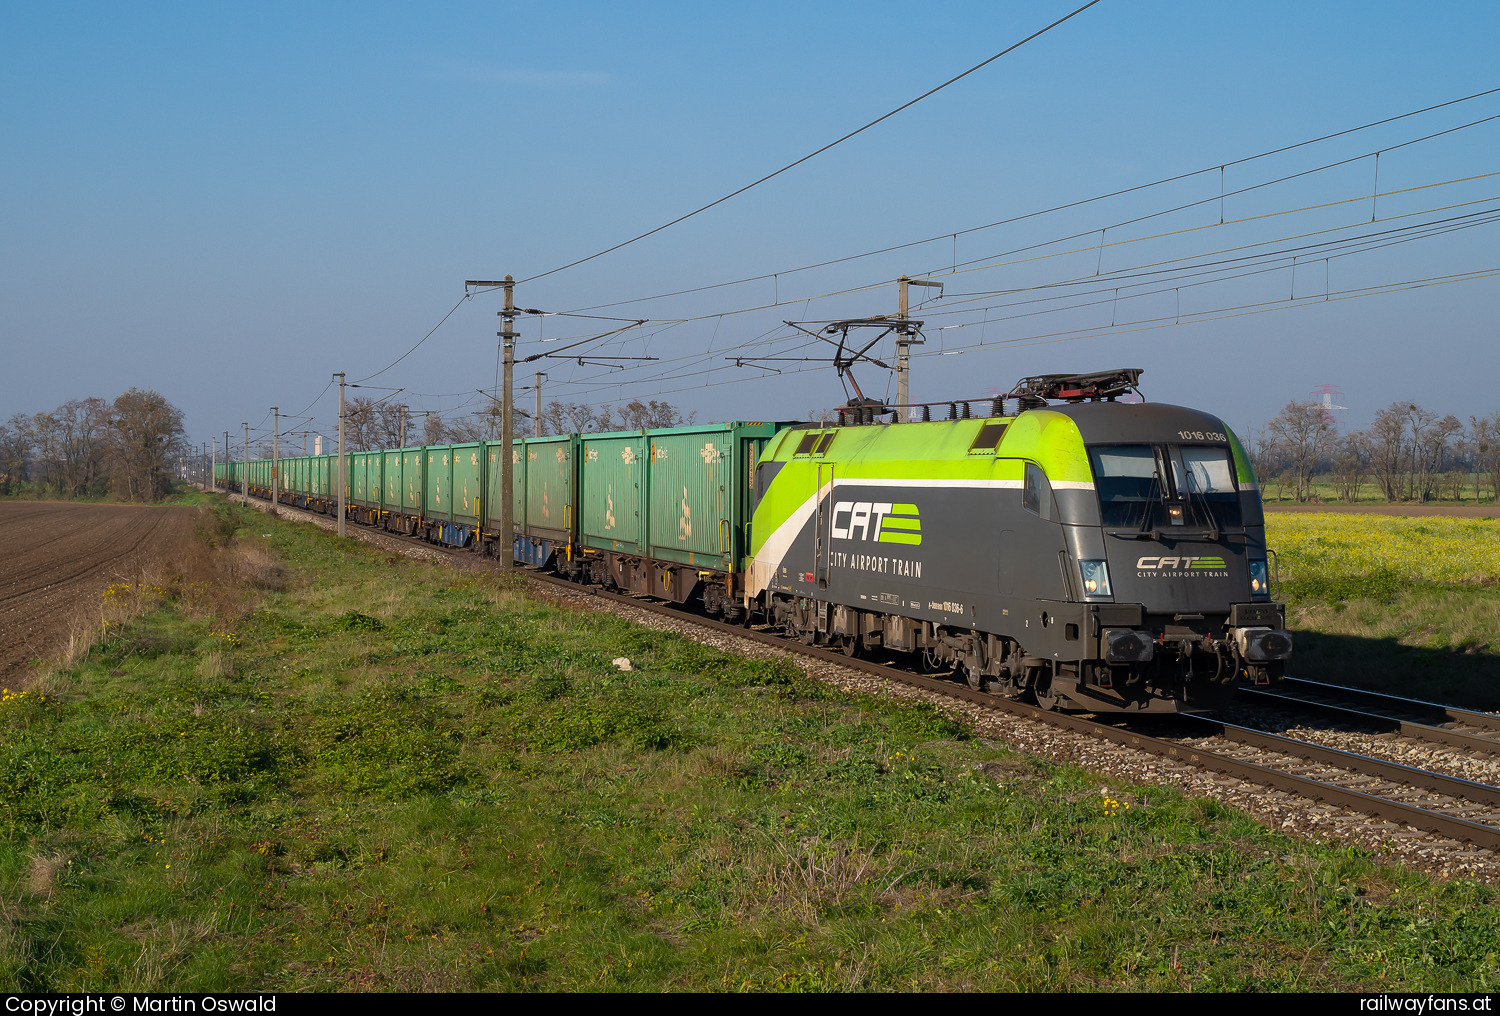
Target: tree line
x,y
370,424
92,447
1409,453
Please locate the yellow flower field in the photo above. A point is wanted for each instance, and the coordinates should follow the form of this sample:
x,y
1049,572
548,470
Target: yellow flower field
x,y
1426,548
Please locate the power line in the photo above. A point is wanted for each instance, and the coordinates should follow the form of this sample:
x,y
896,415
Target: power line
x,y
820,151
1217,167
413,349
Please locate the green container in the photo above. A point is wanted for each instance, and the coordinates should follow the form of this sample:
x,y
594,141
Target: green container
x,y
548,501
681,494
359,488
492,466
390,480
615,490
413,479
466,483
692,506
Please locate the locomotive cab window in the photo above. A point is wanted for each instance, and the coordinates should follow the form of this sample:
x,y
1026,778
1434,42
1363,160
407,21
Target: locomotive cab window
x,y
805,446
1137,484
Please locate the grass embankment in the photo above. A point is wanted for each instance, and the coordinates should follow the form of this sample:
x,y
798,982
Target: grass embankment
x,y
376,773
1409,606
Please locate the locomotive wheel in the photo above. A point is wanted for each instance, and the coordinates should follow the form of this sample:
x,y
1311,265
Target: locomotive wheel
x,y
1046,698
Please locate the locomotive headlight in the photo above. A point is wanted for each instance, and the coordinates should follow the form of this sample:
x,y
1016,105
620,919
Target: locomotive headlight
x,y
1260,585
1095,578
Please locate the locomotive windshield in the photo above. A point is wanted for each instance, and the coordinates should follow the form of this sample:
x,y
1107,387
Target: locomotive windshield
x,y
1140,485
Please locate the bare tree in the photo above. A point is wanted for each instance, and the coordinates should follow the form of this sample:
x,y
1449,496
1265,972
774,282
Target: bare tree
x,y
359,424
434,430
1485,451
1431,440
1389,454
15,452
386,426
1302,436
147,433
1351,462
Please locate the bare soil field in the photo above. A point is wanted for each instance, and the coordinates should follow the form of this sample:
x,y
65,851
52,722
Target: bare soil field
x,y
1457,511
56,559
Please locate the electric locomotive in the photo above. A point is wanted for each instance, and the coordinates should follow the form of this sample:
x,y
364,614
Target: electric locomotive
x,y
1095,554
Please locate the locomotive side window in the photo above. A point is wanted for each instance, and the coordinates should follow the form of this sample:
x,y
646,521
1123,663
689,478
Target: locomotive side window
x,y
764,474
1036,496
804,447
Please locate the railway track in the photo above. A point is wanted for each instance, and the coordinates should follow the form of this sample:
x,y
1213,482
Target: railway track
x,y
1402,796
1406,717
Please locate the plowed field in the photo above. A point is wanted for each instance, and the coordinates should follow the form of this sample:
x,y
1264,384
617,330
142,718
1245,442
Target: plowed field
x,y
56,560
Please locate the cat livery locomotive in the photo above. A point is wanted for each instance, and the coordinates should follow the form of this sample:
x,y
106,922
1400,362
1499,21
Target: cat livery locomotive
x,y
1096,554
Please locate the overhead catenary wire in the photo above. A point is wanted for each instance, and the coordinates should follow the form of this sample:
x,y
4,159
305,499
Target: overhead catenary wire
x,y
1194,266
1215,168
811,155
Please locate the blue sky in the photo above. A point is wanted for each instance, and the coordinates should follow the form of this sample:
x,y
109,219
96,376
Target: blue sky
x,y
229,202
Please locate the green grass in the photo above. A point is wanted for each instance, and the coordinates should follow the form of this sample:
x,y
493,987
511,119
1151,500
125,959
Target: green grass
x,y
379,774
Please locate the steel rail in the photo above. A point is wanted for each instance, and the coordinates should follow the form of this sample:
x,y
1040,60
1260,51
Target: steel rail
x,y
1365,765
1408,728
1449,714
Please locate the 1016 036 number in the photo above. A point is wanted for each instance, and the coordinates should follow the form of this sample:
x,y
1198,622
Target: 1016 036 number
x,y
1200,435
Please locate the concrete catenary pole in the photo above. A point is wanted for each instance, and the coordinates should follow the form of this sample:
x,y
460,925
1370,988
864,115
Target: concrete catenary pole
x,y
245,477
275,457
507,335
507,426
403,425
342,482
213,462
904,342
536,421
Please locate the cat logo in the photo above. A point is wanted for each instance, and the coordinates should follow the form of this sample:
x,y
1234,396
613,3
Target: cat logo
x,y
685,523
880,521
